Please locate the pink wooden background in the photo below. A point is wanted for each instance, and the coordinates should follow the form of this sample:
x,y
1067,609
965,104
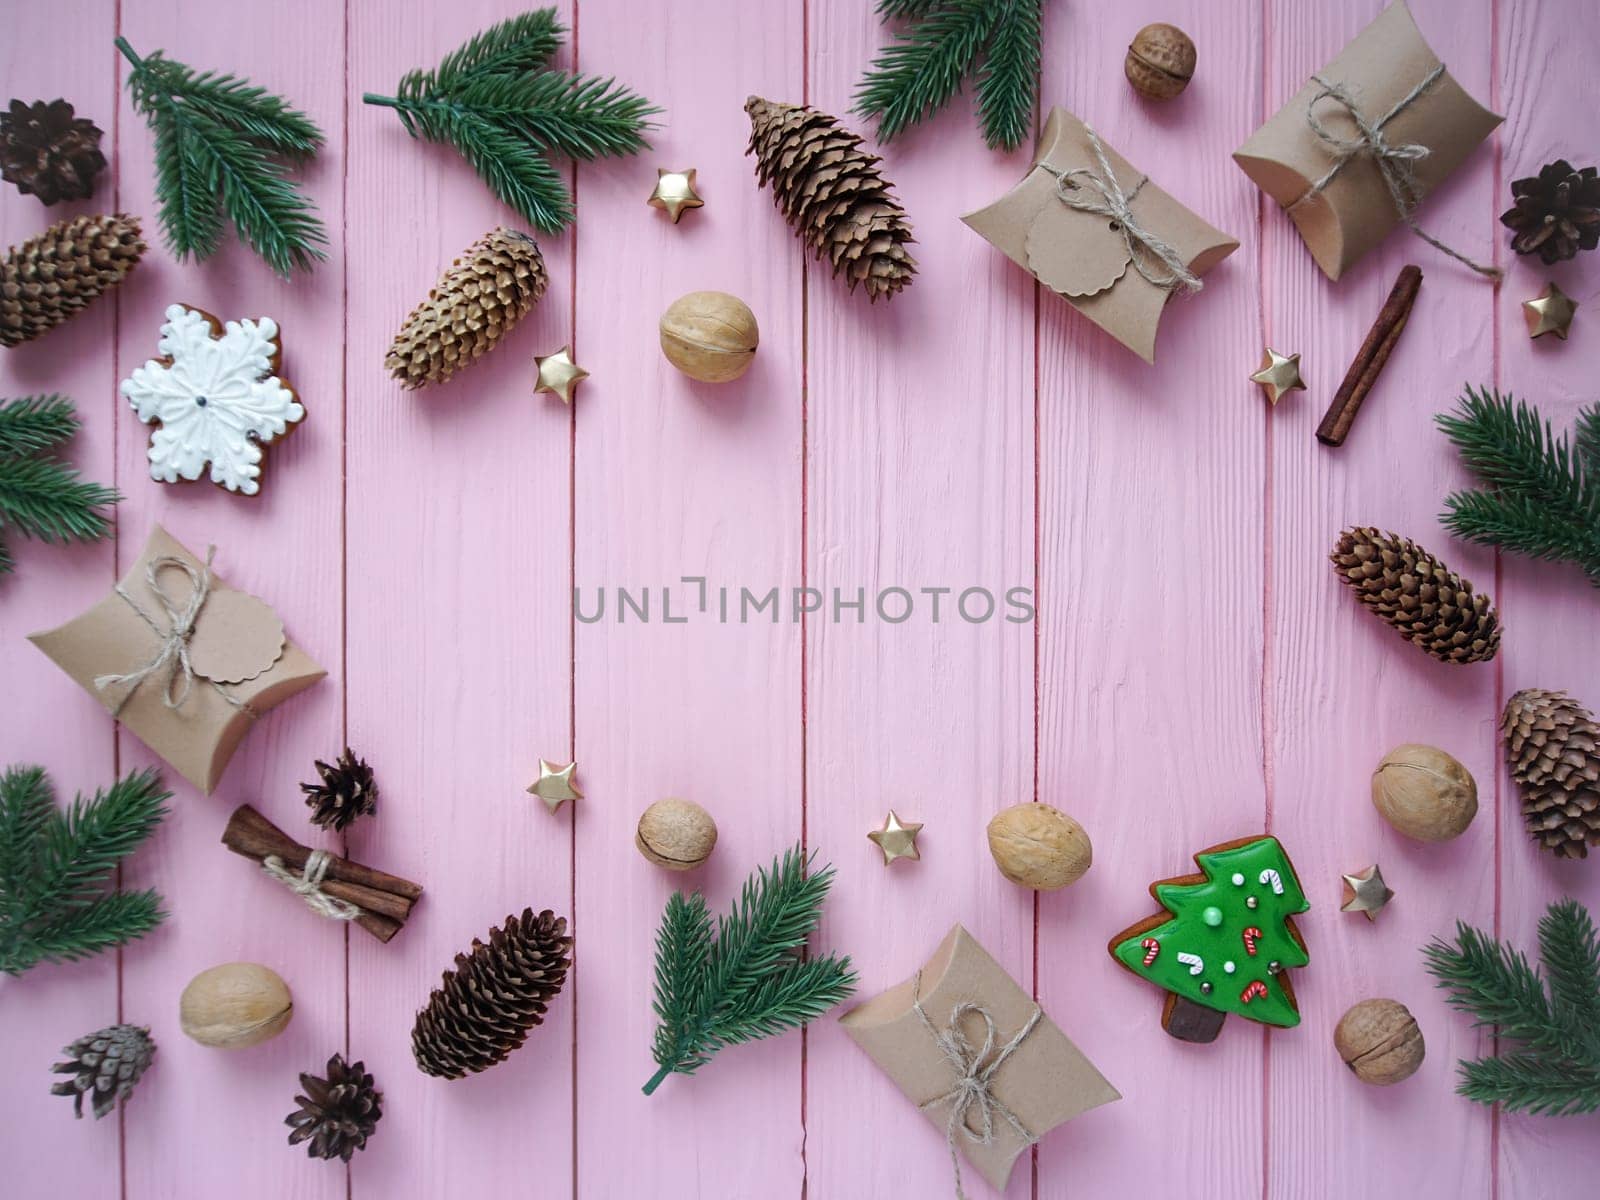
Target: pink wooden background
x,y
1194,673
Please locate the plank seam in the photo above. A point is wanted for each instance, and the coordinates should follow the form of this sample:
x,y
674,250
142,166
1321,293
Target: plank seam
x,y
1268,528
805,624
572,629
116,525
1499,588
344,492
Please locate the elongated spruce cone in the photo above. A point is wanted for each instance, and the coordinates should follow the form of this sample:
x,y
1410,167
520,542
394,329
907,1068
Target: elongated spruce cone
x,y
832,195
1553,749
485,292
53,277
497,993
105,1066
1431,606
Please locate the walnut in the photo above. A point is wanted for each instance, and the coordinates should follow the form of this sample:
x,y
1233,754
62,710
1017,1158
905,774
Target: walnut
x,y
1160,61
235,1005
1039,847
1379,1041
676,834
1424,793
709,336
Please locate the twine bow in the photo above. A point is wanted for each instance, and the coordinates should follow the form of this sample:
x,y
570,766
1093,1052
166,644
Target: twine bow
x,y
308,885
1395,162
172,653
973,1070
1099,192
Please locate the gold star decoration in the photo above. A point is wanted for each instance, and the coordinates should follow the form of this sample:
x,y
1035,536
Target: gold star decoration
x,y
1365,892
558,374
897,838
554,785
1549,312
675,192
1278,375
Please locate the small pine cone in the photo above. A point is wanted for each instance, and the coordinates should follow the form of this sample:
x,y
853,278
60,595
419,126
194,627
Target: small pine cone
x,y
497,993
1553,747
831,193
48,152
345,791
337,1114
1555,213
484,293
104,1065
1431,606
54,276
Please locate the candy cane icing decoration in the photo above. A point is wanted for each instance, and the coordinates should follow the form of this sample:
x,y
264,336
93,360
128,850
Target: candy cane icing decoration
x,y
1251,936
1254,990
1151,948
1194,962
1268,875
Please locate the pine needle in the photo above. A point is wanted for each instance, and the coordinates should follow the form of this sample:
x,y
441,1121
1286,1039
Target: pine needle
x,y
42,497
495,101
751,979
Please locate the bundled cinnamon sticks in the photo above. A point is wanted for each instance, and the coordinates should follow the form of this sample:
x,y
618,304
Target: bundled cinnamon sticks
x,y
1370,359
381,902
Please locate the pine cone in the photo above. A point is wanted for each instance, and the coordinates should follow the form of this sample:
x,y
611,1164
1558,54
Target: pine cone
x,y
48,152
336,1114
1429,604
1553,745
54,276
1555,213
497,993
484,293
345,793
831,193
106,1065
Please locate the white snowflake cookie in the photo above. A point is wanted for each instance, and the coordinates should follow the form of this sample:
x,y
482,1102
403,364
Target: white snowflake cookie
x,y
216,396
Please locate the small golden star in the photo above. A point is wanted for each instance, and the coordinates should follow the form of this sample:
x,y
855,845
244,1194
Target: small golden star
x,y
1549,312
558,374
675,192
1278,374
554,785
897,838
1365,892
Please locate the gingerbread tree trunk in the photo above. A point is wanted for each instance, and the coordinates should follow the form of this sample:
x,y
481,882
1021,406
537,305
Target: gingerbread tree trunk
x,y
1225,942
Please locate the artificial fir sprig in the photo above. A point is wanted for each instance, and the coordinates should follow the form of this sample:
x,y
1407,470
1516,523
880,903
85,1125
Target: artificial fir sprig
x,y
918,73
1543,494
497,104
1556,1067
216,141
751,978
54,864
42,497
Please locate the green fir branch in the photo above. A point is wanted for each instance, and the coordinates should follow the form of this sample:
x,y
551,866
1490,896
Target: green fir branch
x,y
1555,1066
30,424
1586,438
752,980
217,143
1008,82
496,102
40,496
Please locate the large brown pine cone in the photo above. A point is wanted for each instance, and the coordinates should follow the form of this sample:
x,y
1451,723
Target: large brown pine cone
x,y
54,276
104,1066
485,292
832,195
48,152
337,1114
1431,606
1553,748
497,993
1555,213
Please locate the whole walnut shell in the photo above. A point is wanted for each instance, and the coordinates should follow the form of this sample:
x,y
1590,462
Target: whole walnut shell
x,y
1379,1041
676,834
235,1005
1039,847
1424,793
1160,61
710,336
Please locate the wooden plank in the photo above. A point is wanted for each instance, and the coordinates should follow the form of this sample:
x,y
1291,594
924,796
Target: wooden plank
x,y
59,727
225,1109
1542,52
459,652
1343,688
1150,561
920,461
675,478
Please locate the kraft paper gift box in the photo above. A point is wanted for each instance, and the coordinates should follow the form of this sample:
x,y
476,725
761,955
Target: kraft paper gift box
x,y
1059,224
1043,1081
185,662
1331,175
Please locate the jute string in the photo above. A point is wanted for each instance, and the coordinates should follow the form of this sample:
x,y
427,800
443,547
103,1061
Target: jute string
x,y
973,1070
1395,162
1088,190
308,885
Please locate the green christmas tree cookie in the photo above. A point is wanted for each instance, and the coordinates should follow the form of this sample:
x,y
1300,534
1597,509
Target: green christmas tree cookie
x,y
1225,942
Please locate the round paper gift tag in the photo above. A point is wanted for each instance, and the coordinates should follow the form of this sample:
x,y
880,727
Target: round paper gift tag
x,y
236,637
1073,252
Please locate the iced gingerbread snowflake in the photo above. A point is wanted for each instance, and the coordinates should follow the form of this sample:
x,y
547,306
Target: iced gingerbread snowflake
x,y
215,396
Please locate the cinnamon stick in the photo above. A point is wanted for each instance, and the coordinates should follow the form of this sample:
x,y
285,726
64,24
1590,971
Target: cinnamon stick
x,y
1370,359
